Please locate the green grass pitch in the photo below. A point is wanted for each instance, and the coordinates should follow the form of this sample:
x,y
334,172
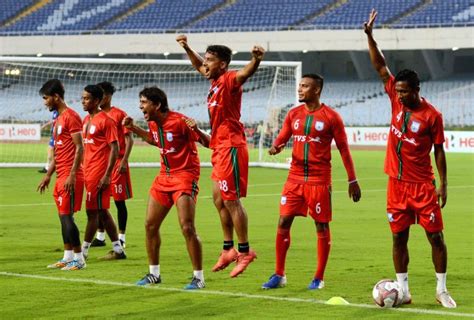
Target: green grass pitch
x,y
360,256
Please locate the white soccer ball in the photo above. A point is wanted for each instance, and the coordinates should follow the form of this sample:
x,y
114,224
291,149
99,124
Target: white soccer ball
x,y
387,294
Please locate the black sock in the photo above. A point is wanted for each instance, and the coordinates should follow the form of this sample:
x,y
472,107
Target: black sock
x,y
122,214
244,247
228,245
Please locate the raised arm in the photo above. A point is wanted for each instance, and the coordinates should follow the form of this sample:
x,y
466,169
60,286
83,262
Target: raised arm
x,y
440,159
247,71
128,123
195,58
376,56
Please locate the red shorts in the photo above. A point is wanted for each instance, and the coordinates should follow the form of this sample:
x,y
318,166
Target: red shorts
x,y
230,170
121,186
413,202
96,199
68,203
296,199
166,190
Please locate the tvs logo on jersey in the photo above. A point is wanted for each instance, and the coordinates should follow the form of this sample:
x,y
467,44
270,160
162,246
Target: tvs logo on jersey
x,y
283,200
92,129
169,136
319,125
415,126
60,129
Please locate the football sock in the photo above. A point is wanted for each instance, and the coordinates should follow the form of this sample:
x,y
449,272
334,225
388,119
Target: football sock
x,y
100,236
78,256
324,246
68,255
117,247
155,270
228,245
85,247
121,236
199,274
122,214
441,282
402,279
244,247
283,241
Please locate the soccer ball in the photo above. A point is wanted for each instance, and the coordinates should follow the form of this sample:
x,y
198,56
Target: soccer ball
x,y
387,293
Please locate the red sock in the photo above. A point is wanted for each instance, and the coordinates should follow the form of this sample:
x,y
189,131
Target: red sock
x,y
324,246
283,240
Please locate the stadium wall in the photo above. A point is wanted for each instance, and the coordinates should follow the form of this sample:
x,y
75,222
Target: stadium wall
x,y
283,41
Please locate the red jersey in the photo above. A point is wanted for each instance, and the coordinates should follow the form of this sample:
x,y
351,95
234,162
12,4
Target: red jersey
x,y
67,123
176,142
98,132
411,137
224,102
312,136
117,115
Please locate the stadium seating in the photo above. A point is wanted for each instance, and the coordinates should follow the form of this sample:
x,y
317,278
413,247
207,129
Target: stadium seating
x,y
10,8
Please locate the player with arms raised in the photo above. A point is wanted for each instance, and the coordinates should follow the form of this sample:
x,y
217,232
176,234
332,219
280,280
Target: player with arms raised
x,y
229,147
313,126
177,182
66,161
120,186
411,193
101,150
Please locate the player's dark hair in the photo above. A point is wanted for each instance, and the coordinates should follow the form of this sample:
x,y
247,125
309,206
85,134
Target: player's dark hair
x,y
52,87
108,87
222,52
157,96
316,77
95,91
410,77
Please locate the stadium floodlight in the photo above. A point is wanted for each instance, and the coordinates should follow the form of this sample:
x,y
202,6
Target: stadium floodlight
x,y
455,48
305,51
166,53
39,54
101,54
267,96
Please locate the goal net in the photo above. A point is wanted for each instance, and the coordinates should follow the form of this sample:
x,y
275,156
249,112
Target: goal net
x,y
24,135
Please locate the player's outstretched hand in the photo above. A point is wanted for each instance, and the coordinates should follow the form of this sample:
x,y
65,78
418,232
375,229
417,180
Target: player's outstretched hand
x,y
191,123
258,52
368,25
127,122
182,40
43,184
276,149
442,195
354,191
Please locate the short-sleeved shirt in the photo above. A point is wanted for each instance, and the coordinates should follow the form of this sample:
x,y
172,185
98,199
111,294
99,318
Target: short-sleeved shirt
x,y
118,115
177,144
67,123
224,102
313,132
412,135
98,132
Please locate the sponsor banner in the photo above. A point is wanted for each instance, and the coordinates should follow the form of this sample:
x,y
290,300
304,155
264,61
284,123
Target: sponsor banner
x,y
20,132
456,141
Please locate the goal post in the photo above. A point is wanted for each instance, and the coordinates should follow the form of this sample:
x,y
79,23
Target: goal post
x,y
267,96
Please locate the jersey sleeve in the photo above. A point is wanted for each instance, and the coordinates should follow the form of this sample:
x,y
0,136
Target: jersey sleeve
x,y
285,132
437,130
340,138
231,82
74,124
110,130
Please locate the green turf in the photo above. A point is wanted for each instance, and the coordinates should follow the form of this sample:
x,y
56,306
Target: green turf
x,y
361,254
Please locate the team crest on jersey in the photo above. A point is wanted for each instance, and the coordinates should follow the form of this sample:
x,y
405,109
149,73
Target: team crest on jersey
x,y
283,200
319,125
60,129
415,126
92,129
169,136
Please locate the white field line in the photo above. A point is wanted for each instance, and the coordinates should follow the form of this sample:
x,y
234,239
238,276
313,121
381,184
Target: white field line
x,y
210,197
233,294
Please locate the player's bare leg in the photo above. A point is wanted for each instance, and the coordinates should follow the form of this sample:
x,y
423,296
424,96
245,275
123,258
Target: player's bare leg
x,y
400,261
228,254
186,213
439,254
240,221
